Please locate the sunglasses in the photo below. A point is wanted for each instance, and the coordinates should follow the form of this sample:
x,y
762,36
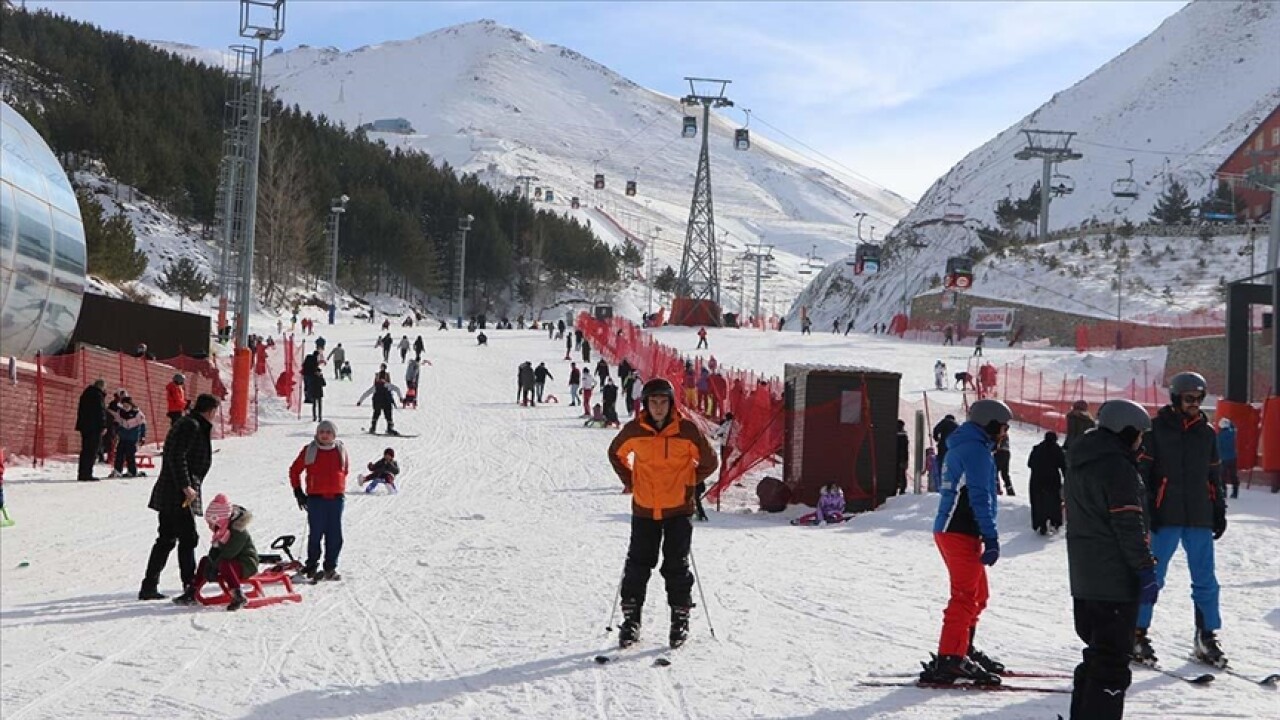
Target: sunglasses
x,y
1192,398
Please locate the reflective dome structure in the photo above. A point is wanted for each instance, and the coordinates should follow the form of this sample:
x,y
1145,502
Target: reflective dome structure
x,y
42,249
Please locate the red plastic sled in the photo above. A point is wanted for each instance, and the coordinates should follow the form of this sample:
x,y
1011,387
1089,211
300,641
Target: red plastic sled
x,y
145,461
256,596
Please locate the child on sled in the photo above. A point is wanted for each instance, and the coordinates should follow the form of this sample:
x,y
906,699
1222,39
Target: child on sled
x,y
232,556
382,471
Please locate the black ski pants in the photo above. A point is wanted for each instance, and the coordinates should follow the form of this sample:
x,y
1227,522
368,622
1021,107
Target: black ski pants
x,y
1046,502
1002,468
177,527
538,387
382,409
673,535
1102,678
90,440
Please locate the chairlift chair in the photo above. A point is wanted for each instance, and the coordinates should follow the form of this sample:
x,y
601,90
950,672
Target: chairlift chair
x,y
1061,185
1125,187
690,127
806,270
742,139
953,212
599,184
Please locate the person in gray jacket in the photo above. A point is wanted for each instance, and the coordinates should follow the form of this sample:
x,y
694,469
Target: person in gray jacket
x,y
1110,565
338,355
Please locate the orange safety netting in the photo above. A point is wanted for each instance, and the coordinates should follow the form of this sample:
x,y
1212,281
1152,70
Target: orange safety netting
x,y
754,400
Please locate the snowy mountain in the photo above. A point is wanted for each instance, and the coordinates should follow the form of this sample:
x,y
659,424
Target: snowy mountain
x,y
1176,103
493,101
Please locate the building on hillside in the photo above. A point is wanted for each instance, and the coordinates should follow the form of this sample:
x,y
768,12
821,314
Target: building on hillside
x,y
389,125
1261,150
42,247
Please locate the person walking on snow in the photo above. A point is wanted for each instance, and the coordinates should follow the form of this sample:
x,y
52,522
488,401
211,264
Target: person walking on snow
x,y
903,456
848,328
941,432
1048,464
637,392
404,347
575,379
978,342
602,370
91,420
186,459
1227,454
418,348
1109,562
588,385
1180,466
1003,457
338,355
132,433
540,377
524,384
609,398
586,352
1079,421
325,464
940,375
568,341
386,341
660,457
966,534
702,338
383,402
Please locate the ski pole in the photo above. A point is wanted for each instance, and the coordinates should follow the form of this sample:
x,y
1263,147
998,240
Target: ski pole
x,y
616,597
706,611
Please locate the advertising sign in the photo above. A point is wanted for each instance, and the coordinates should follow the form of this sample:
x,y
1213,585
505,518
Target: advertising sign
x,y
990,320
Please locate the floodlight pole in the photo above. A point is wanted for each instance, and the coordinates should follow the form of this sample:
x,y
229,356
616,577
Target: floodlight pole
x,y
1050,147
464,225
653,240
759,253
337,207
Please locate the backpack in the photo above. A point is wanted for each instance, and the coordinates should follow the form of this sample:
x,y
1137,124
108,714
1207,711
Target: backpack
x,y
773,494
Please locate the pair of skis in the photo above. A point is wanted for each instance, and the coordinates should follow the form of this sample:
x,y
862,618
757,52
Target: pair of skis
x,y
1202,680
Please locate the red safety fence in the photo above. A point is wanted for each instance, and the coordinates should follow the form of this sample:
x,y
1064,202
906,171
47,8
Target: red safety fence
x,y
755,400
39,400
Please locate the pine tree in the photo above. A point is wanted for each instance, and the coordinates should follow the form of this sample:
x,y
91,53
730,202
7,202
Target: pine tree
x,y
1174,206
109,242
184,279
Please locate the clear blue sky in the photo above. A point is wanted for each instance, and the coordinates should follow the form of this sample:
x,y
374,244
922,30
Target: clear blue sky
x,y
897,91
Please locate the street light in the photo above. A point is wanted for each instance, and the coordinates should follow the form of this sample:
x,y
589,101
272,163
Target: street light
x,y
464,225
337,207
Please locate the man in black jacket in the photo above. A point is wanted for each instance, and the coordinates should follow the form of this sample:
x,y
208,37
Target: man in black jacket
x,y
903,456
1110,565
941,431
1187,506
91,420
188,455
540,377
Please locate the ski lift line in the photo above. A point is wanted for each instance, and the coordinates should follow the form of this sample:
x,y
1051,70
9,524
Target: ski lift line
x,y
1148,151
829,159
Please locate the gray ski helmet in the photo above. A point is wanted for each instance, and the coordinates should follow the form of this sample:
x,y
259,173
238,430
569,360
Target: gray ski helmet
x,y
1119,415
985,412
1186,382
657,386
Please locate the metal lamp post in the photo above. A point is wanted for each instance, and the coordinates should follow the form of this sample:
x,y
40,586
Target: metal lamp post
x,y
464,226
337,207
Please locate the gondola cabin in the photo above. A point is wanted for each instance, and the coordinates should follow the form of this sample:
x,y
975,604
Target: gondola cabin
x,y
867,259
742,139
573,202
953,213
537,193
599,184
959,273
549,196
631,188
690,127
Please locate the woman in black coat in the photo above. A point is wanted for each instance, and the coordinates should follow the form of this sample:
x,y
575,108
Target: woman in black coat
x,y
1048,463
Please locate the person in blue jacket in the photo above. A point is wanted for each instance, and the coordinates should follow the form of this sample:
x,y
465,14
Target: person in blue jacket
x,y
965,533
1227,456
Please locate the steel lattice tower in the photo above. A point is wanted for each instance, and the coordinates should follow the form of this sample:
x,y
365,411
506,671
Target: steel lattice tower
x,y
699,264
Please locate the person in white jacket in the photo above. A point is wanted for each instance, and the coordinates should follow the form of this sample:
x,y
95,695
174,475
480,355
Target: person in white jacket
x,y
588,384
940,375
404,347
637,393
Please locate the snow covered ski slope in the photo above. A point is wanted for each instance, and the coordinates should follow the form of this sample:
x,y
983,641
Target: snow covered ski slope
x,y
483,588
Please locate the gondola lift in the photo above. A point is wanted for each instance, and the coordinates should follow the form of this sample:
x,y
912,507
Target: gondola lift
x,y
742,136
690,127
959,273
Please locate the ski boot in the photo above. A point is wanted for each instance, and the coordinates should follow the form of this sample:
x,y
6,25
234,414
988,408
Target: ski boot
x,y
329,575
679,626
306,573
187,598
148,591
1143,653
1207,649
629,630
947,669
995,667
238,600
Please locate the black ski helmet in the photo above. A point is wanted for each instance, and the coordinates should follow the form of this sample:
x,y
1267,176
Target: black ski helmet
x,y
1186,382
1125,418
657,386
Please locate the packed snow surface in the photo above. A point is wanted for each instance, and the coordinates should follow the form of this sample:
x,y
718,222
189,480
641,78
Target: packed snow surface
x,y
483,589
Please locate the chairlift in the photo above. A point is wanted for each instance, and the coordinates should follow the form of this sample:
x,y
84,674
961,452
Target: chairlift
x,y
690,127
959,273
867,259
1125,187
1061,185
953,212
806,270
599,184
742,139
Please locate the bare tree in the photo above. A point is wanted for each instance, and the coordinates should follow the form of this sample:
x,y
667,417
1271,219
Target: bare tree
x,y
287,224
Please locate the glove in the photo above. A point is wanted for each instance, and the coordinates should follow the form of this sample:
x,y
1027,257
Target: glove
x,y
1148,586
990,551
1219,520
301,497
